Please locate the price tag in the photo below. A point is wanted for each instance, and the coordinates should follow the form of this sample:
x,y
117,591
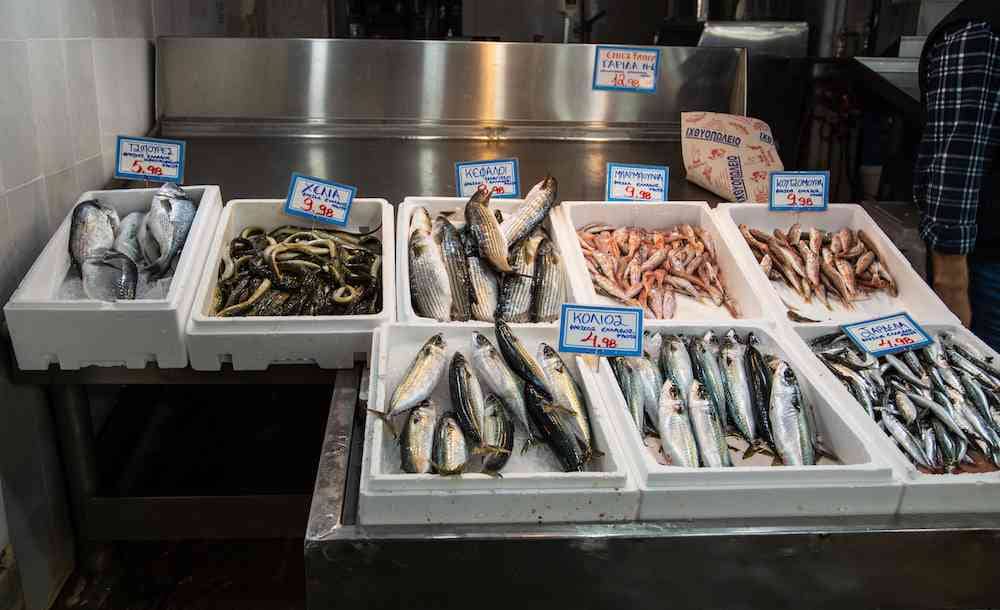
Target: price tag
x,y
799,191
501,175
149,159
603,331
637,182
626,69
888,335
318,199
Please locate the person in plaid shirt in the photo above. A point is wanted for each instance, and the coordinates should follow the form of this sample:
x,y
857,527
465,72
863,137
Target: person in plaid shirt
x,y
955,171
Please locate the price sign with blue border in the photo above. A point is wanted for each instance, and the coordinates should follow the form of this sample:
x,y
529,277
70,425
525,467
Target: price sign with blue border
x,y
501,175
603,331
318,199
637,182
635,69
887,335
150,159
799,191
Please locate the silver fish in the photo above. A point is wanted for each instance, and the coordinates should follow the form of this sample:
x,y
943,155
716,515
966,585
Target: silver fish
x,y
482,283
447,238
532,212
420,379
935,357
493,372
417,439
514,303
485,229
168,221
498,435
430,288
906,440
929,443
548,289
705,355
568,396
451,454
792,435
942,411
91,236
946,444
738,398
652,346
630,387
467,398
676,363
127,239
674,426
707,428
115,278
650,381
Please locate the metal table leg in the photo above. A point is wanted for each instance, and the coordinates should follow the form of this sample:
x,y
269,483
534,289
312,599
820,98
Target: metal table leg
x,y
71,412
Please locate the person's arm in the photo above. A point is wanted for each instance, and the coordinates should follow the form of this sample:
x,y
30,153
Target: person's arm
x,y
963,78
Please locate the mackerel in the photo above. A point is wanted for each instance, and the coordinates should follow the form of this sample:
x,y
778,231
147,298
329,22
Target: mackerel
x,y
793,437
674,426
451,454
498,435
494,372
421,377
707,428
467,398
416,442
738,399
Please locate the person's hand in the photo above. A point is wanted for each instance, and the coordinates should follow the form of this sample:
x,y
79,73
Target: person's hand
x,y
951,283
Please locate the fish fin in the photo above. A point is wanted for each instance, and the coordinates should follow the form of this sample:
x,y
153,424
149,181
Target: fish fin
x,y
750,452
822,451
495,474
387,420
557,409
776,461
490,450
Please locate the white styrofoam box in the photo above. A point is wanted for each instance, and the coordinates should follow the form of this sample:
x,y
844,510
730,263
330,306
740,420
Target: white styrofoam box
x,y
533,488
861,484
915,296
922,493
253,343
436,205
78,333
576,214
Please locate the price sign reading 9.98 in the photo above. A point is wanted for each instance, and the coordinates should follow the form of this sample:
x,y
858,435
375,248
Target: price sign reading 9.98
x,y
604,331
637,182
799,191
319,199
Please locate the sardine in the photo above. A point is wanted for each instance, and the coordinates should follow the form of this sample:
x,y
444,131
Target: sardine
x,y
467,398
520,360
537,204
941,411
674,426
707,428
737,384
498,435
906,440
485,230
421,377
792,436
548,291
493,372
946,444
453,253
929,443
430,287
451,454
416,442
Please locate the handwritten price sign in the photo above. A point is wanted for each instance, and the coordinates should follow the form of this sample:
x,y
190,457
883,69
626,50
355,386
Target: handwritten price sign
x,y
149,159
888,335
501,175
605,331
318,199
800,191
637,182
634,69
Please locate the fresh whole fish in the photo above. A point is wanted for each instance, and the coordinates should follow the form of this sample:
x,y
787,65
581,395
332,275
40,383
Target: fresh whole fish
x,y
567,395
705,356
548,291
493,371
650,381
737,383
707,428
483,284
127,239
674,426
537,204
467,398
520,360
430,286
451,454
793,438
420,379
557,430
498,435
760,389
416,442
449,241
115,277
631,389
92,234
514,302
485,230
168,223
907,441
946,444
675,361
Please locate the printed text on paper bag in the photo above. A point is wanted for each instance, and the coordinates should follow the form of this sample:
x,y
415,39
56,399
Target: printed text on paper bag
x,y
150,159
607,331
626,69
887,335
500,175
637,182
319,199
799,190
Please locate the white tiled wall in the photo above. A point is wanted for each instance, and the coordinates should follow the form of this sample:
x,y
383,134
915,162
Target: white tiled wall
x,y
73,75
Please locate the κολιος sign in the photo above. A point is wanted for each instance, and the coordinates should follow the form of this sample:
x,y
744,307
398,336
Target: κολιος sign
x,y
604,331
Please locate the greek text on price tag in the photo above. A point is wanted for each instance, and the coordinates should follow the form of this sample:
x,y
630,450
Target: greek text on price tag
x,y
501,175
888,335
637,182
800,191
149,159
626,69
604,331
318,199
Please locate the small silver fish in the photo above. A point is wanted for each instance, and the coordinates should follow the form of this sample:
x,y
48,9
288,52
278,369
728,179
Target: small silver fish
x,y
707,428
451,454
421,378
430,288
792,435
674,427
417,439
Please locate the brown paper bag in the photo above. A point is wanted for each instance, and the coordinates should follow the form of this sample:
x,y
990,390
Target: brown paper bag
x,y
730,155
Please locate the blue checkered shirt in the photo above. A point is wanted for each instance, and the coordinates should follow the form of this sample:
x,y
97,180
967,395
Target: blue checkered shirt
x,y
962,97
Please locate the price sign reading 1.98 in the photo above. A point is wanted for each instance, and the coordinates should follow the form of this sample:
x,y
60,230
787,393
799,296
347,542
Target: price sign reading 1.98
x,y
799,191
605,331
318,199
888,335
150,159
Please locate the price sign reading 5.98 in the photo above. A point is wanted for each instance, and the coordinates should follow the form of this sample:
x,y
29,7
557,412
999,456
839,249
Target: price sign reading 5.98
x,y
319,199
149,159
605,331
888,335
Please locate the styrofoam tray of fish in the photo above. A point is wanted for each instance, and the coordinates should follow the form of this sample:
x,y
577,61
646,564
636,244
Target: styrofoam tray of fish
x,y
267,336
536,294
688,468
548,481
938,440
670,258
53,321
846,257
